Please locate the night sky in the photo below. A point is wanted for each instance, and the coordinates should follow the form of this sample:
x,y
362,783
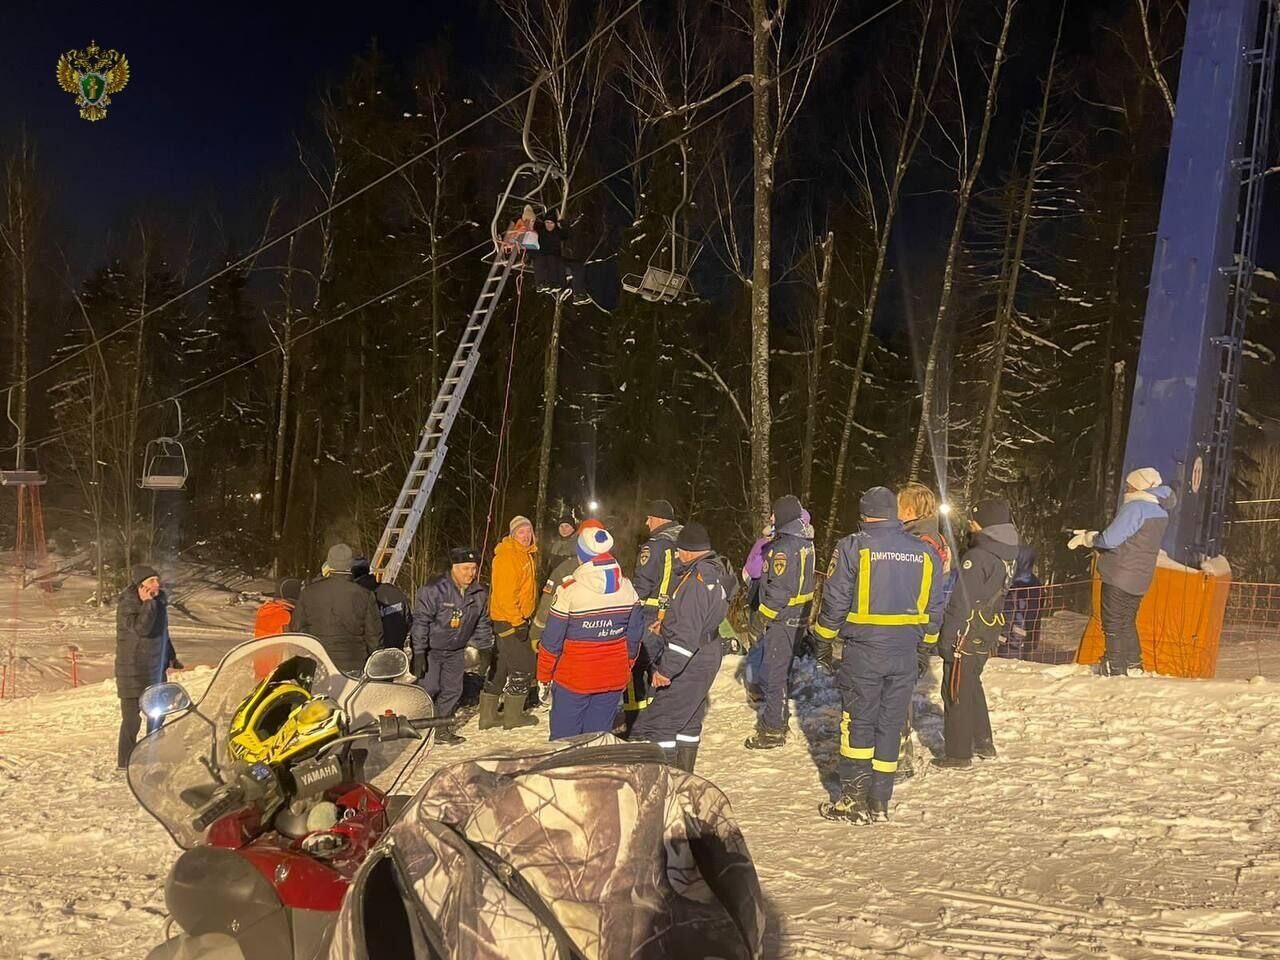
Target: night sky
x,y
217,93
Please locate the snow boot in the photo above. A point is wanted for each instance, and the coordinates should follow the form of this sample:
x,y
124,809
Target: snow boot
x,y
766,739
878,811
489,703
513,713
851,805
686,756
986,751
1105,668
445,737
953,763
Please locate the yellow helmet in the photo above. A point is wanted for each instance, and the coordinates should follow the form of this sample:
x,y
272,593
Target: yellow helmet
x,y
281,719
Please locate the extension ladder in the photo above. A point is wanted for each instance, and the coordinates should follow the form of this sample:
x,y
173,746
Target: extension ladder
x,y
429,456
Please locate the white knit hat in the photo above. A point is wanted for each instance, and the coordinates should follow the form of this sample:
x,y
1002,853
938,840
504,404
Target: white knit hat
x,y
592,542
1144,478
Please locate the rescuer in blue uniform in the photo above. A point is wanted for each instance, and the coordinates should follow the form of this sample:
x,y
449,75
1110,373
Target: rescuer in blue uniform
x,y
883,597
449,614
654,582
685,649
786,593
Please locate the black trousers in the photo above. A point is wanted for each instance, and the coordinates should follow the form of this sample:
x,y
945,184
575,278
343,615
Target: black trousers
x,y
517,663
1120,627
966,722
130,725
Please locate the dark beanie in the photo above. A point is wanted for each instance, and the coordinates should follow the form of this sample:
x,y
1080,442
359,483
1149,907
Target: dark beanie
x,y
693,538
990,513
879,503
360,567
141,573
463,555
785,510
289,588
662,509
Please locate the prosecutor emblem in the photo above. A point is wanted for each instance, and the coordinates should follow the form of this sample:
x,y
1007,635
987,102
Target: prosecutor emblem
x,y
93,75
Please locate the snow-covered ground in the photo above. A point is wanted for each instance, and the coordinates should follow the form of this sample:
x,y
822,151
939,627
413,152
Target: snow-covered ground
x,y
1133,818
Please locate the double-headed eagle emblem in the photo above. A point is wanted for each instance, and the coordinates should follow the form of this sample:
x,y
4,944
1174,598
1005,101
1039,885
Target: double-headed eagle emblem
x,y
93,75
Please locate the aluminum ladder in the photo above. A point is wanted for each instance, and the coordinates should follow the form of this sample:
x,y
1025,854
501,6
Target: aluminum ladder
x,y
429,456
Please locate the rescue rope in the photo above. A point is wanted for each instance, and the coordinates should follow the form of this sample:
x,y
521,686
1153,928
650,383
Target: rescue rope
x,y
504,424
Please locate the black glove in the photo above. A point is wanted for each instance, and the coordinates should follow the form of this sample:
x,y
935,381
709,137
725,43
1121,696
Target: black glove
x,y
420,664
824,652
947,648
176,664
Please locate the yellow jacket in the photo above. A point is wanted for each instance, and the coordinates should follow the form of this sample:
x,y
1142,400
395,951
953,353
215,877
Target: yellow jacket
x,y
514,594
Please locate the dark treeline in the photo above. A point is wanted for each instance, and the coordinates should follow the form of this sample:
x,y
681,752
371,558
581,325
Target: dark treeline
x,y
950,212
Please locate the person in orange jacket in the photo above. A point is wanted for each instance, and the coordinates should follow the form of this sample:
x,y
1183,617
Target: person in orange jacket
x,y
513,598
274,615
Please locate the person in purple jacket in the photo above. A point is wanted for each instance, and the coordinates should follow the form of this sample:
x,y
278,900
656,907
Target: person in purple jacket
x,y
1127,554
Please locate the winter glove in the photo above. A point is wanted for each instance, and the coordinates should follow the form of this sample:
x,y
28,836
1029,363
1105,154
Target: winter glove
x,y
176,664
1082,538
420,664
824,652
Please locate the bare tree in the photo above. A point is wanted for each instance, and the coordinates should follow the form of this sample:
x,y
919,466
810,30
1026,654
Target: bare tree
x,y
879,188
823,251
545,37
782,73
1009,293
968,167
18,234
1153,61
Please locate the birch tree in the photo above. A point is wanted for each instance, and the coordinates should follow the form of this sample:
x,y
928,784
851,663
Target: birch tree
x,y
545,38
878,185
22,211
1009,293
969,160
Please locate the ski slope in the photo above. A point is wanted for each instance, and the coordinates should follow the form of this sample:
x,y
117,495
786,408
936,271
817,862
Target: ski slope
x,y
1128,818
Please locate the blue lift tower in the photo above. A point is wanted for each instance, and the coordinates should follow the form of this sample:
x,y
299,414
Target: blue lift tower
x,y
1188,379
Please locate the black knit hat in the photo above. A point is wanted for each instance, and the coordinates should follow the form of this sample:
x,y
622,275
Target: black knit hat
x,y
289,588
662,509
141,573
463,555
989,513
360,567
879,503
693,538
785,510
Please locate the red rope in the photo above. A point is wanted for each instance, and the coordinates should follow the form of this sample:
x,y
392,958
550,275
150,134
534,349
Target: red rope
x,y
506,407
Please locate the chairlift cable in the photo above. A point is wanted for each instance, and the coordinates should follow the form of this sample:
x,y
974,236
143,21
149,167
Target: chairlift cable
x,y
315,218
476,248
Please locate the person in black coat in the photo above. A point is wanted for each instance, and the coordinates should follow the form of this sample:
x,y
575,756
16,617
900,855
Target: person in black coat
x,y
143,652
340,613
393,606
971,629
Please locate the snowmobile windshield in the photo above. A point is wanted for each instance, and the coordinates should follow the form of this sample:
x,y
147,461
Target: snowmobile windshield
x,y
177,769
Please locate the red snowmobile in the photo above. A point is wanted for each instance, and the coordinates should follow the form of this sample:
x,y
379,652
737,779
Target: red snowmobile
x,y
273,784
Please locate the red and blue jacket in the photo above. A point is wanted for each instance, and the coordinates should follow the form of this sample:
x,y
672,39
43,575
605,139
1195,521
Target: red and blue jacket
x,y
584,647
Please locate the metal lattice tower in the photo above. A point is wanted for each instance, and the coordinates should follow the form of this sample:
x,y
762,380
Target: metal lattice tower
x,y
1252,168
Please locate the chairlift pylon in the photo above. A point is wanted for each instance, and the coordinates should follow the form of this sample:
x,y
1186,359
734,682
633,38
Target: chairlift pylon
x,y
666,279
164,461
20,475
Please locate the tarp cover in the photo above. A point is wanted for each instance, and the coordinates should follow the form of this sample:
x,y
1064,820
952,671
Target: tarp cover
x,y
593,850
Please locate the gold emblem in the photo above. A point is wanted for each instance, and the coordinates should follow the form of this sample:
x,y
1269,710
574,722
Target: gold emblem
x,y
644,555
831,567
455,621
93,75
779,564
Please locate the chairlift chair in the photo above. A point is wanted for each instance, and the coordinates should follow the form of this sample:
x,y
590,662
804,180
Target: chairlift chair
x,y
164,462
666,279
529,184
19,476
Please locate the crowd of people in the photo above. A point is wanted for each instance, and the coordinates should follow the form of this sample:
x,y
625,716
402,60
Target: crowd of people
x,y
638,656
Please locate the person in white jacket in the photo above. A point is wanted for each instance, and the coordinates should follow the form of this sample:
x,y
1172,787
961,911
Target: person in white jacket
x,y
584,652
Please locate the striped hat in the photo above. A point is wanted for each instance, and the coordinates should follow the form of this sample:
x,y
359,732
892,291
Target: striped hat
x,y
593,542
